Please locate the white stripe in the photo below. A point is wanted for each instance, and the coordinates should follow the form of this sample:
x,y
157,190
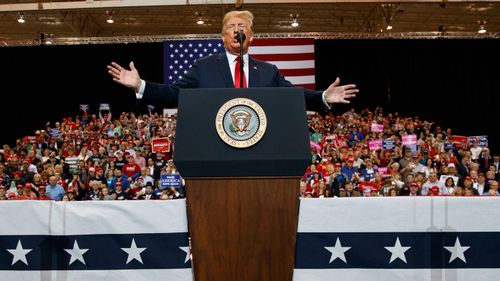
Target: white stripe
x,y
399,214
301,79
479,274
294,64
185,274
287,49
89,217
24,217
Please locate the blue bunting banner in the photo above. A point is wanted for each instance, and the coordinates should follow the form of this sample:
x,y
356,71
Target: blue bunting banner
x,y
421,238
132,240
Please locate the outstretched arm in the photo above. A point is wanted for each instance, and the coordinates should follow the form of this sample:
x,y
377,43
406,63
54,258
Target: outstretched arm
x,y
340,94
129,78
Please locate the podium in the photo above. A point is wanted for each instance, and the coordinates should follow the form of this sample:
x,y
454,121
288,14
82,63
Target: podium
x,y
242,202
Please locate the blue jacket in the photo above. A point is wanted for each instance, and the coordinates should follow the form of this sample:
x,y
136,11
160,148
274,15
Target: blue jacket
x,y
213,72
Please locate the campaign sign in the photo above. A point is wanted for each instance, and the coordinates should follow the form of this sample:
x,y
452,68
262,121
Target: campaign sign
x,y
84,107
483,140
382,170
460,141
409,139
169,111
160,144
104,106
170,180
388,144
375,144
377,127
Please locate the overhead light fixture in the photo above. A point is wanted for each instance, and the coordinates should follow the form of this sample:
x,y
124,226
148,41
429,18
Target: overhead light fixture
x,y
20,19
45,39
110,17
482,28
200,20
295,22
389,11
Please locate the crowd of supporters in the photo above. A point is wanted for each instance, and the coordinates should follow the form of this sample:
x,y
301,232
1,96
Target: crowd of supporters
x,y
344,164
92,157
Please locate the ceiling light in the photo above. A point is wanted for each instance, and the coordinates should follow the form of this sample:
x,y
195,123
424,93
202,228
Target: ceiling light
x,y
481,29
199,19
20,19
389,27
295,22
110,17
45,39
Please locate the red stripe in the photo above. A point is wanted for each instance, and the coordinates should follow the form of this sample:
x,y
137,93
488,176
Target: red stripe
x,y
297,72
284,57
307,86
282,41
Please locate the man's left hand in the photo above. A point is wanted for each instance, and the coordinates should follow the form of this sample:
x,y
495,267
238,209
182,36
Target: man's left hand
x,y
340,94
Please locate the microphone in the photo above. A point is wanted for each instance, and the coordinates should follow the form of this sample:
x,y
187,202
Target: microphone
x,y
240,36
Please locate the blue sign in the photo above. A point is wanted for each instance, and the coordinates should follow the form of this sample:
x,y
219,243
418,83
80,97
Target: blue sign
x,y
388,144
170,180
483,140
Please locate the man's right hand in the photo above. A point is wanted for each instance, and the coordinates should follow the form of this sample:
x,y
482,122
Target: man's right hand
x,y
129,78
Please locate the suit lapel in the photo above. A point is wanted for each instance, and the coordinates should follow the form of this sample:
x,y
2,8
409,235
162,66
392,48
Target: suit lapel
x,y
253,73
225,72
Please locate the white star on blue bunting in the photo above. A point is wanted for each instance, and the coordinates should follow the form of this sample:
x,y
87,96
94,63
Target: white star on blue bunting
x,y
19,253
76,253
397,251
133,252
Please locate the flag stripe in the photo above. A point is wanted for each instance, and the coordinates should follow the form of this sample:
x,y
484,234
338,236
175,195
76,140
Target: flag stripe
x,y
307,86
297,72
280,41
284,57
298,80
293,64
284,49
482,274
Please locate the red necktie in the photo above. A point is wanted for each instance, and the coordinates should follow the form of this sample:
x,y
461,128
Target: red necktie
x,y
237,75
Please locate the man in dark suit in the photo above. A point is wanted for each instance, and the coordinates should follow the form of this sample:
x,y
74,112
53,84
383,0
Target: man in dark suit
x,y
221,71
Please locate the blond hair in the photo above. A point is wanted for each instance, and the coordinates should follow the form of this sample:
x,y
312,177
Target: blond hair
x,y
246,15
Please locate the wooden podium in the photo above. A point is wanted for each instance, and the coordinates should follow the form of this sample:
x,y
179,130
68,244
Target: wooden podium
x,y
242,203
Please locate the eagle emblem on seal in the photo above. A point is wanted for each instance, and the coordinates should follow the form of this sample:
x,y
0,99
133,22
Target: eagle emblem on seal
x,y
239,122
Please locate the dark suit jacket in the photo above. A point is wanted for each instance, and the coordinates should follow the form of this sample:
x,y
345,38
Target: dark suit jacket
x,y
213,72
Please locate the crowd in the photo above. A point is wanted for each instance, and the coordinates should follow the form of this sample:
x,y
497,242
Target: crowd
x,y
347,162
92,157
97,157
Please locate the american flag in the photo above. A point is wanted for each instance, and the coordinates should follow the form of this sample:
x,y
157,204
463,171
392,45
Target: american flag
x,y
294,57
112,241
398,238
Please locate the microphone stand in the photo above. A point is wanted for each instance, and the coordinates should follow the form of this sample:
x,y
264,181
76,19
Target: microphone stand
x,y
241,38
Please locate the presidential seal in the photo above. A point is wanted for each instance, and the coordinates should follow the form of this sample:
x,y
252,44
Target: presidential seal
x,y
241,122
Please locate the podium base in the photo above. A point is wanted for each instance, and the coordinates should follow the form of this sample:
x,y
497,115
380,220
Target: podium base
x,y
243,228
